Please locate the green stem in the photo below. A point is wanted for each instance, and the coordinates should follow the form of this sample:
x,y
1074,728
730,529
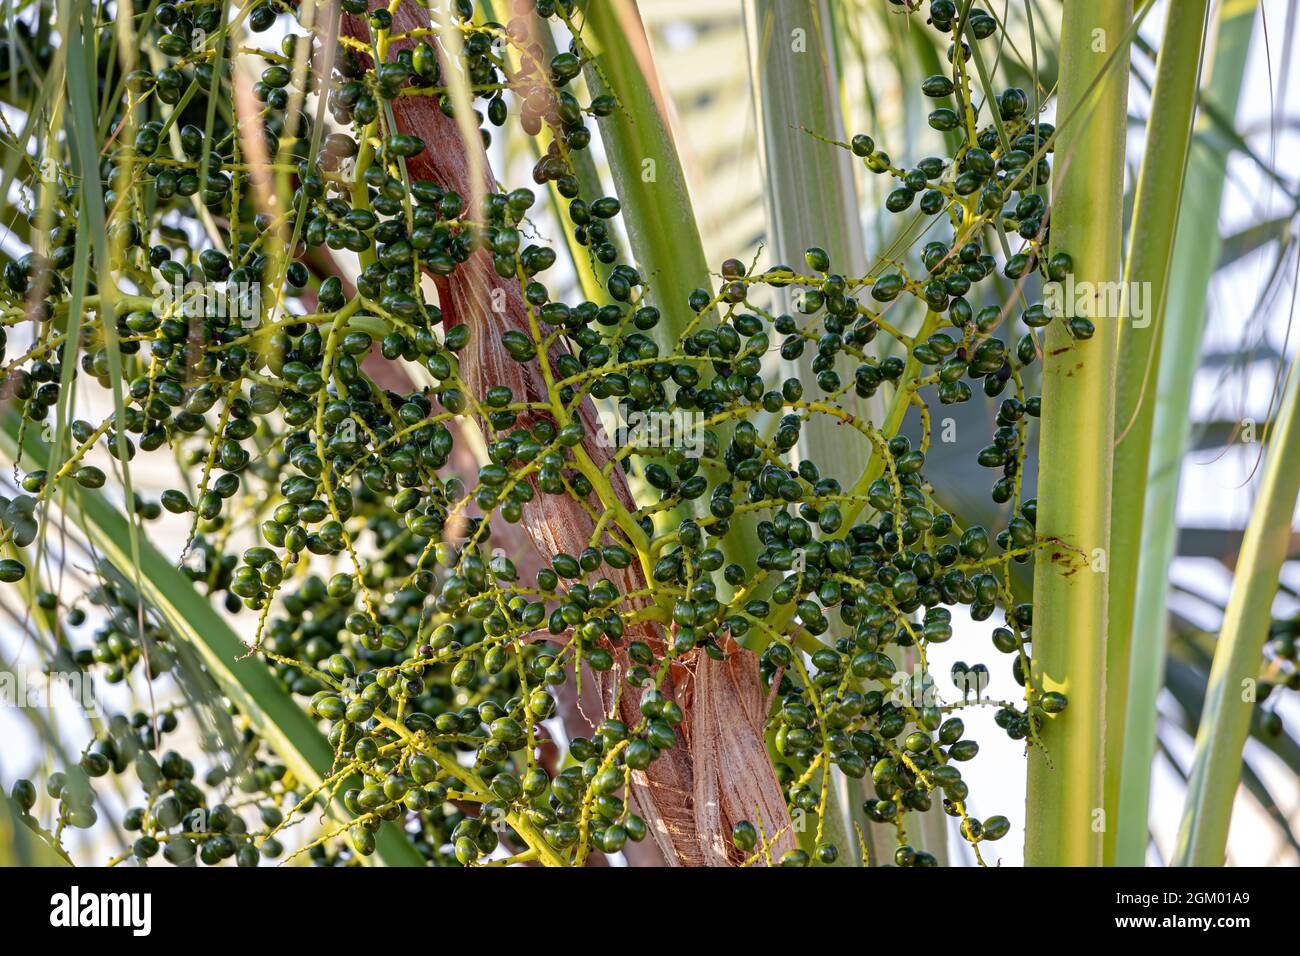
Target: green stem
x,y
643,159
1150,254
1232,690
1196,251
1064,805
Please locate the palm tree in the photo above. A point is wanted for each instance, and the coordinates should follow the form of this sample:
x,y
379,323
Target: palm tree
x,y
722,131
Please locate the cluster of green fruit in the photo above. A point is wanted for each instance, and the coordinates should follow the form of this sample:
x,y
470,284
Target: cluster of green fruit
x,y
378,592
